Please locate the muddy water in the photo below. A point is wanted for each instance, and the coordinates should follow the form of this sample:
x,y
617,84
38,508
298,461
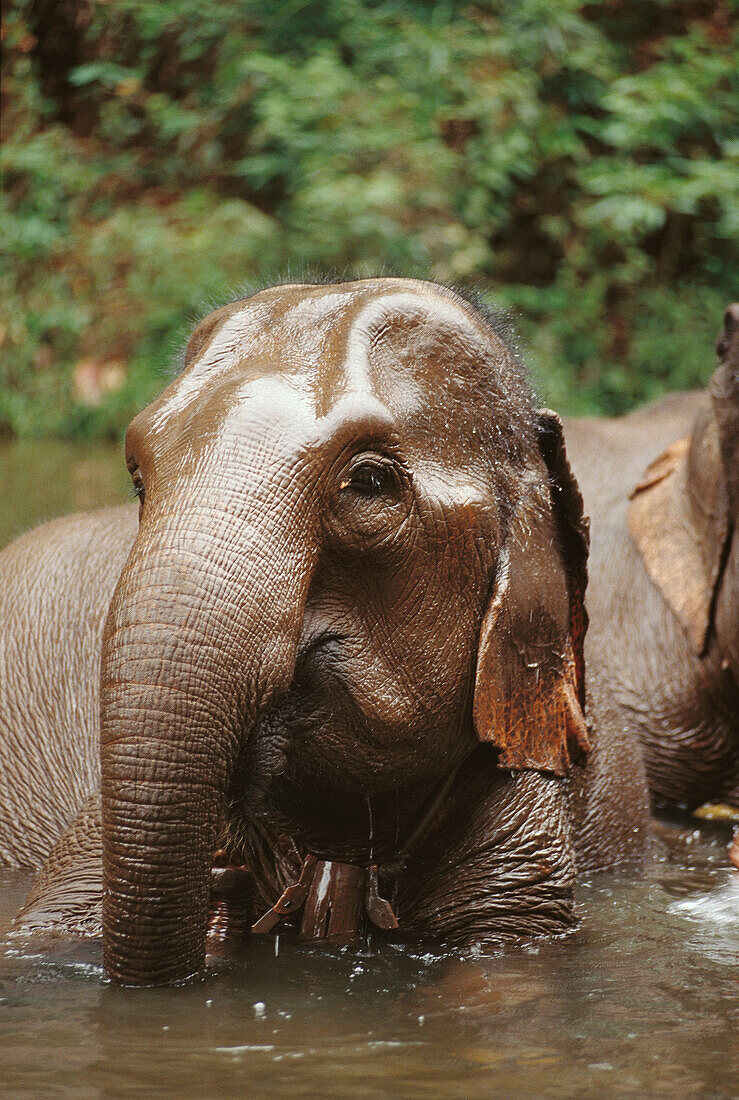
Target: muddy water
x,y
641,1001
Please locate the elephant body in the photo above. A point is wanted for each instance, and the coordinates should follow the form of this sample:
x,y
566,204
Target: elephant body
x,y
352,613
57,582
660,486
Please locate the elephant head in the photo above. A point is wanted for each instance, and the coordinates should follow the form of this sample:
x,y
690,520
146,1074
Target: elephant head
x,y
685,511
361,552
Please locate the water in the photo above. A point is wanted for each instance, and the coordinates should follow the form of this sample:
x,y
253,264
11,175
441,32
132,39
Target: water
x,y
641,1001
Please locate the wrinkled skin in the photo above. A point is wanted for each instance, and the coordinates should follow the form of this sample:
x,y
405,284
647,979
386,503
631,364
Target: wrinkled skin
x,y
361,553
663,650
56,585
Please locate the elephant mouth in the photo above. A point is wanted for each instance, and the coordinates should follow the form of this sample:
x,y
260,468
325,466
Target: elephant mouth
x,y
306,783
288,799
337,897
306,713
333,900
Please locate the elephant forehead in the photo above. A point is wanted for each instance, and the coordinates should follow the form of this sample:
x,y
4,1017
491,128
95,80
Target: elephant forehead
x,y
408,344
409,351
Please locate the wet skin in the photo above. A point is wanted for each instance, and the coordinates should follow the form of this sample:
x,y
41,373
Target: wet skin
x,y
355,575
663,647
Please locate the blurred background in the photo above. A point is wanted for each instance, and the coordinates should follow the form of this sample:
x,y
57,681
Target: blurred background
x,y
571,160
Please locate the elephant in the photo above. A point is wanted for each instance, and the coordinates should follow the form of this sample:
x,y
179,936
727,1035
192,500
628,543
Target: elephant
x,y
337,645
662,489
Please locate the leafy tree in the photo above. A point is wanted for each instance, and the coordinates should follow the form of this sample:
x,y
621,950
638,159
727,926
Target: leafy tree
x,y
573,161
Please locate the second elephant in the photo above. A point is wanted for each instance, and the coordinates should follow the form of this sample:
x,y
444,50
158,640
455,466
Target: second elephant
x,y
662,488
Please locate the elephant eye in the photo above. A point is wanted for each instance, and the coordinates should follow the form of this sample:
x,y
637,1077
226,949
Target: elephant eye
x,y
138,488
373,500
371,479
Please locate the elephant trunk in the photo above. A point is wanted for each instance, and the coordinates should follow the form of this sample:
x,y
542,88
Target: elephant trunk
x,y
201,636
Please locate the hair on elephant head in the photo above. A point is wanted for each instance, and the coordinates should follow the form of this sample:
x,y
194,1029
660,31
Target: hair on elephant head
x,y
361,551
684,513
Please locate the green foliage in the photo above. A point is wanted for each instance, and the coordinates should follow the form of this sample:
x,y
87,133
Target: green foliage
x,y
576,162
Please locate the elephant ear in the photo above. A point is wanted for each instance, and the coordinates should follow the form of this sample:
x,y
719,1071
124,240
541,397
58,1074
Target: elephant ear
x,y
680,512
724,390
205,330
530,679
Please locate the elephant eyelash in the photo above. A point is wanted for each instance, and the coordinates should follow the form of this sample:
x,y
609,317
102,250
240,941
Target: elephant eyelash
x,y
371,478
